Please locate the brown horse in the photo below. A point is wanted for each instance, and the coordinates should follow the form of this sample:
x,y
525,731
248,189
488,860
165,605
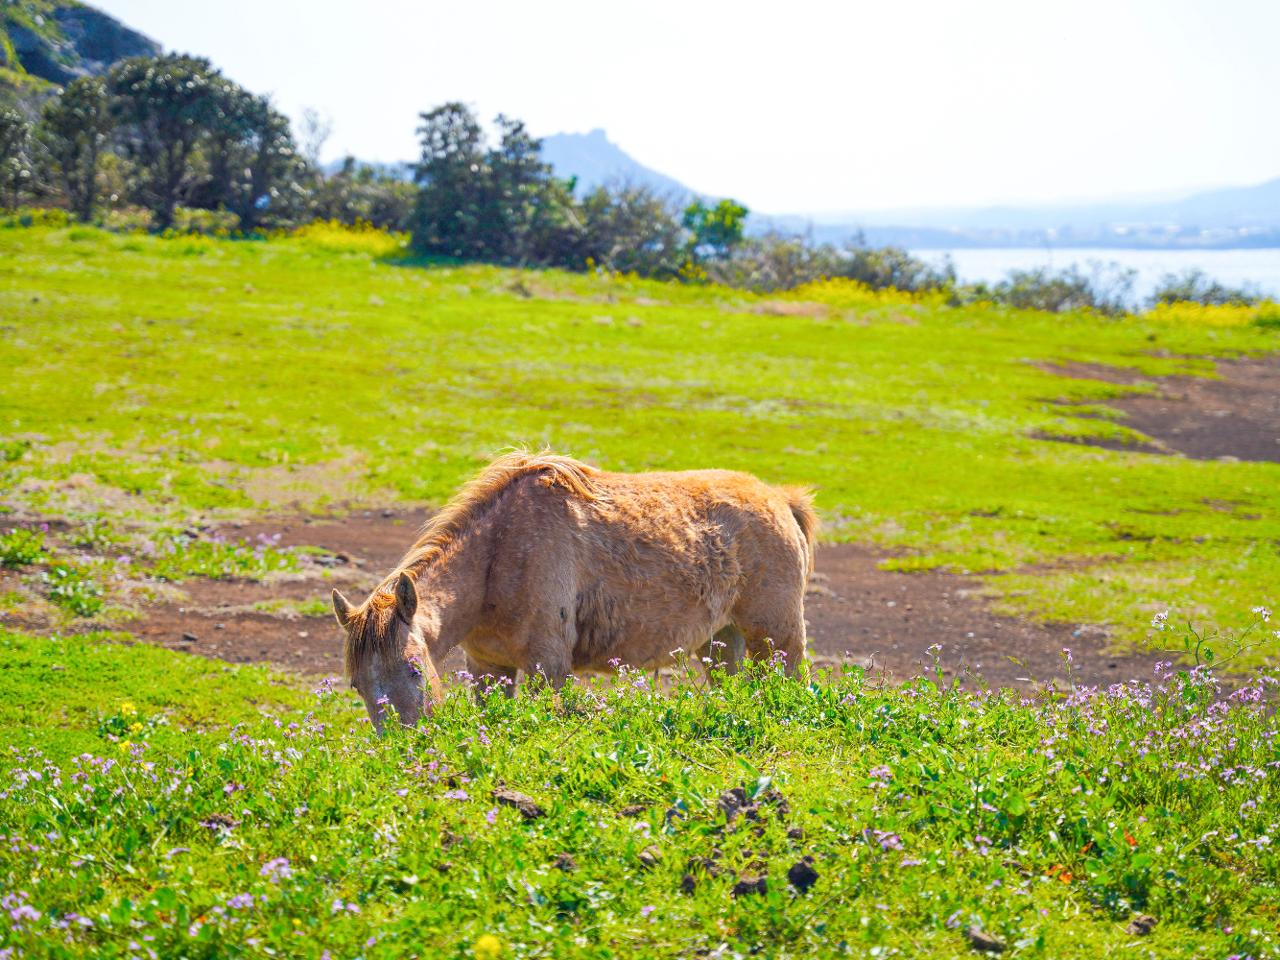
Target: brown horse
x,y
546,565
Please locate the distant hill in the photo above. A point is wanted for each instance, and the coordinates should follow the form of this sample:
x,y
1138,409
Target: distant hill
x,y
597,161
45,42
1235,216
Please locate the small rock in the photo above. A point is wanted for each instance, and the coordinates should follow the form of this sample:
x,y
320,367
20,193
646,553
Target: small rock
x,y
388,514
565,863
528,808
219,626
649,857
802,875
748,884
190,638
634,810
795,833
983,942
688,883
1141,925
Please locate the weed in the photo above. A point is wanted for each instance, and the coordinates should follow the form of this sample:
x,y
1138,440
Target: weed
x,y
72,589
22,548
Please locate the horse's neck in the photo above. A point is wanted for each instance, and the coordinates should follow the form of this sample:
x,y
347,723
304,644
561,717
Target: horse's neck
x,y
451,591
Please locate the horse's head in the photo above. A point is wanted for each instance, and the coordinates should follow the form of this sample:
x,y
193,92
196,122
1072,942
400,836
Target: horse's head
x,y
386,657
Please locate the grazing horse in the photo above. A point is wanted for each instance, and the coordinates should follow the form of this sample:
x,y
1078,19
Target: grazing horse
x,y
547,565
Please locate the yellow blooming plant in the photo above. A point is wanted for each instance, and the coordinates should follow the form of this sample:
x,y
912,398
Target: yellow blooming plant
x,y
487,947
1205,315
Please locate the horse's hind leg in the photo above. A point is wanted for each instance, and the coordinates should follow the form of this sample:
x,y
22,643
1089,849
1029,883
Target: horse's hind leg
x,y
726,651
489,675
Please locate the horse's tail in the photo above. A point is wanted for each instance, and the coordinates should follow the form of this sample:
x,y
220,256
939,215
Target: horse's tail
x,y
800,500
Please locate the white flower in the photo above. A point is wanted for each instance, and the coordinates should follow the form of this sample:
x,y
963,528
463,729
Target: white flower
x,y
1160,619
1263,612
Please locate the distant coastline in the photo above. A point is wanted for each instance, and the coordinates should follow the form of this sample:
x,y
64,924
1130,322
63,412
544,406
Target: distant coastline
x,y
1254,268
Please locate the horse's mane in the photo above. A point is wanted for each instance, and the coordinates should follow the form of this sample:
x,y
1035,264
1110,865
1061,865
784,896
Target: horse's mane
x,y
369,626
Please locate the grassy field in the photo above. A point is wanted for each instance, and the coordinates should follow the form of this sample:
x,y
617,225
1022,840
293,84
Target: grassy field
x,y
151,381
154,804
146,825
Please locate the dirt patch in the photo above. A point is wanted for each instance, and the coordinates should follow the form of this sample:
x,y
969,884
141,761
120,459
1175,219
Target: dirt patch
x,y
790,308
887,620
857,613
1236,416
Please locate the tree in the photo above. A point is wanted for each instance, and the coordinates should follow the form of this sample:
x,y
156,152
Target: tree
x,y
715,230
446,215
166,107
74,130
501,203
529,215
15,156
254,168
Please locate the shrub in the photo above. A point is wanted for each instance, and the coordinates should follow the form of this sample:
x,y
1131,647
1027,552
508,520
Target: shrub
x,y
1106,288
180,556
72,589
1195,286
205,223
22,548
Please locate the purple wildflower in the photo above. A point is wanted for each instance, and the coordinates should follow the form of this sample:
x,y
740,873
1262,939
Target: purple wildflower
x,y
276,870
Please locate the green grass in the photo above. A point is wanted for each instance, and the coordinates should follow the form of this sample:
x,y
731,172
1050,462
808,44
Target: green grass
x,y
159,378
155,803
926,812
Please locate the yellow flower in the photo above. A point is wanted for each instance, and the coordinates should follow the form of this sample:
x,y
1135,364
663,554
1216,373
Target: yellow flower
x,y
487,947
123,746
127,709
135,727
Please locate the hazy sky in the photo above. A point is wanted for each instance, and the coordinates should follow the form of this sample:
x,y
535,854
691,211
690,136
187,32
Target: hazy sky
x,y
795,106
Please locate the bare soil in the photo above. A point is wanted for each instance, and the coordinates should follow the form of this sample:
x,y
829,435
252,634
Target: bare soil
x,y
1234,417
858,613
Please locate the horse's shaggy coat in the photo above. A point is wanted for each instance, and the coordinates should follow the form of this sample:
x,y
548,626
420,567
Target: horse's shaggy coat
x,y
544,564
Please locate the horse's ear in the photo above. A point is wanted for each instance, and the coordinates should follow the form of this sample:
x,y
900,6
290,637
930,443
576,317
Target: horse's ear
x,y
406,598
341,609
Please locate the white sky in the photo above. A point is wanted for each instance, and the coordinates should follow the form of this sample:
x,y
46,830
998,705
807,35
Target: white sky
x,y
791,107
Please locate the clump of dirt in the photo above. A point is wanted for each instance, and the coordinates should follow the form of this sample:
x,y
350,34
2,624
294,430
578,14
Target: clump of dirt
x,y
524,804
1236,416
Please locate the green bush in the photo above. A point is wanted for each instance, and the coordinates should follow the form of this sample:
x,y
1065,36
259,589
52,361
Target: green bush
x,y
72,589
180,556
22,548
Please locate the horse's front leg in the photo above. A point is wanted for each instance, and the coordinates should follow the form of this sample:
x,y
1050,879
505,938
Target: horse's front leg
x,y
488,675
549,643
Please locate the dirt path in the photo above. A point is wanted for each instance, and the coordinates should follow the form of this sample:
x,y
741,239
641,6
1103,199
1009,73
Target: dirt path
x,y
1235,417
856,612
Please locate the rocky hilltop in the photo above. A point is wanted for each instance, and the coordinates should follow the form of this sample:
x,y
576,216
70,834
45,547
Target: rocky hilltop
x,y
59,41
